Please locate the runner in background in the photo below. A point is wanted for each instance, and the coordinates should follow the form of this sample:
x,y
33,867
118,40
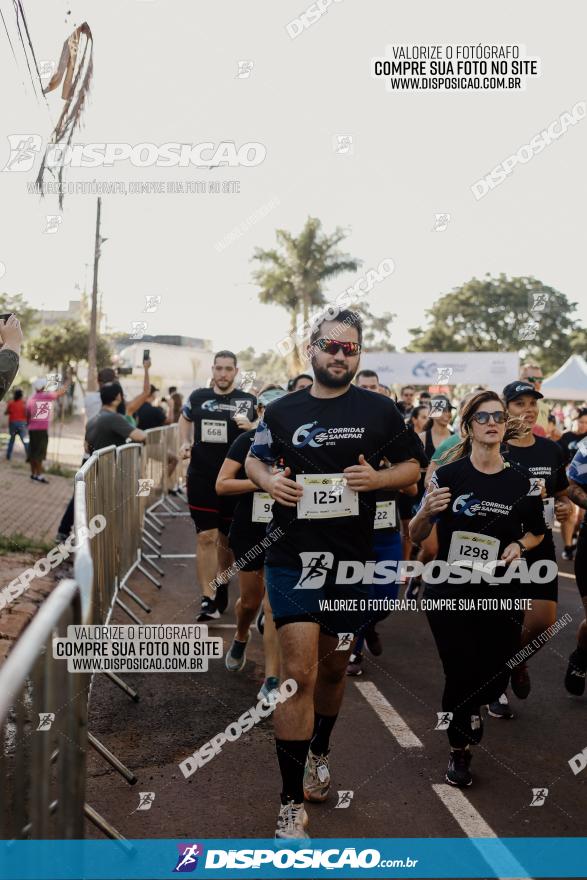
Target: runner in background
x,y
435,432
542,461
210,422
175,405
299,382
387,545
331,438
440,455
532,373
483,510
569,443
406,402
577,668
410,497
252,513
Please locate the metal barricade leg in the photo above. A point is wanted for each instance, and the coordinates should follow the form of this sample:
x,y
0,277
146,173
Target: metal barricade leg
x,y
137,599
112,759
123,686
150,576
153,564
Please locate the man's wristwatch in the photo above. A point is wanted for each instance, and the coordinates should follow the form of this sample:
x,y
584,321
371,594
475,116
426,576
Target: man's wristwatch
x,y
523,548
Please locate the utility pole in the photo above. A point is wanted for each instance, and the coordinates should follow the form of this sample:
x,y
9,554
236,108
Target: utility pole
x,y
92,369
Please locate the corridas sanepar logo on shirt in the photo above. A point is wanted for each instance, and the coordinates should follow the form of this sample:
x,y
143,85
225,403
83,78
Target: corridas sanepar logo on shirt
x,y
311,434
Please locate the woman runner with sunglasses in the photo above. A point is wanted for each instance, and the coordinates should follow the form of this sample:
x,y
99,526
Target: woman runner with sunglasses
x,y
543,461
483,511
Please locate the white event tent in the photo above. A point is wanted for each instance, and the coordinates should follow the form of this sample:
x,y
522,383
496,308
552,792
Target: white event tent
x,y
569,382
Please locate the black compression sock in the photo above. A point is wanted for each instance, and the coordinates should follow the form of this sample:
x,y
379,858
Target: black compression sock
x,y
323,725
292,754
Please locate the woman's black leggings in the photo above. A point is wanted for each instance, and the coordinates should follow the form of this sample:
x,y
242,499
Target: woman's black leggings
x,y
474,647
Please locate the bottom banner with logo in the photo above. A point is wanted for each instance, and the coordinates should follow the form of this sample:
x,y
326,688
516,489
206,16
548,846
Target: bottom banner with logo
x,y
520,857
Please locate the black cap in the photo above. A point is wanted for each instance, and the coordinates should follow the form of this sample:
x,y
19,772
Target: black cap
x,y
109,392
518,389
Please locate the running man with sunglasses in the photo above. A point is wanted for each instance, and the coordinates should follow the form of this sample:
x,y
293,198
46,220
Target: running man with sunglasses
x,y
332,438
484,510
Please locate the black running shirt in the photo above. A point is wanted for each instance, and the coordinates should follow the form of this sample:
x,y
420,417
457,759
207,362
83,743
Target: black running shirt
x,y
242,521
324,436
497,505
544,462
214,426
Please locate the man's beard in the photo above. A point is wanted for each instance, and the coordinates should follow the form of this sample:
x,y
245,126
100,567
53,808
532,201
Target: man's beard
x,y
327,379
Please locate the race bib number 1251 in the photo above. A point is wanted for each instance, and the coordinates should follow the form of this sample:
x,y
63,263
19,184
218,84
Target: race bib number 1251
x,y
326,496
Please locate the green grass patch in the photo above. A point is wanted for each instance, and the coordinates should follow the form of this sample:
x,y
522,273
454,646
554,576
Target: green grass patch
x,y
57,470
18,543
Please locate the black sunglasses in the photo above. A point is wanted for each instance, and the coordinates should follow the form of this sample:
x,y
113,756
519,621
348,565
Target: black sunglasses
x,y
483,417
332,346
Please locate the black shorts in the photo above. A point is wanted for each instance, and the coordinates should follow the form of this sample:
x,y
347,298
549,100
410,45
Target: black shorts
x,y
38,442
245,543
349,611
549,590
581,561
207,509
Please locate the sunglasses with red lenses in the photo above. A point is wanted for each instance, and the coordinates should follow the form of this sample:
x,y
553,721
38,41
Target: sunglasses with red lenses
x,y
332,346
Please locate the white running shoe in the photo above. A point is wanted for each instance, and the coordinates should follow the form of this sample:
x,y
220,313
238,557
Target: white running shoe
x,y
292,821
316,777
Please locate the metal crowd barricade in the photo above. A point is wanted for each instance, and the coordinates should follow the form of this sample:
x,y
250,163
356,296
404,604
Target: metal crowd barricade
x,y
43,707
98,497
129,467
43,733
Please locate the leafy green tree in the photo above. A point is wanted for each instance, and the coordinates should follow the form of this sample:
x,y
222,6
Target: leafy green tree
x,y
293,274
17,305
376,330
490,315
64,346
269,367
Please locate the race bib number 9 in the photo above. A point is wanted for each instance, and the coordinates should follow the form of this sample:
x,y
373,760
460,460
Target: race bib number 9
x,y
326,496
470,545
214,431
385,514
262,507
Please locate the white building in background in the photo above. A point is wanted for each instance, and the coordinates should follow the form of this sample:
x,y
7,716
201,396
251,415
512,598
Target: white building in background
x,y
47,317
175,360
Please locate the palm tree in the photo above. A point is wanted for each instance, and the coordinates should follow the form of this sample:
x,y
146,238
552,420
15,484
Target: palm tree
x,y
292,275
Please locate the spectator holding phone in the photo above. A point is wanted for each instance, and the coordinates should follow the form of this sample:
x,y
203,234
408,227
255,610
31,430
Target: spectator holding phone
x,y
11,338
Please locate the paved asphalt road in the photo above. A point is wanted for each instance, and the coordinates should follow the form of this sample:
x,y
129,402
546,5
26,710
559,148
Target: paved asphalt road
x,y
384,748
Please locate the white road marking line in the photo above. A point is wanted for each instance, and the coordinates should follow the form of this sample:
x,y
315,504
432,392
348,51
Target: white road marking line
x,y
170,556
475,826
161,513
565,574
392,720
